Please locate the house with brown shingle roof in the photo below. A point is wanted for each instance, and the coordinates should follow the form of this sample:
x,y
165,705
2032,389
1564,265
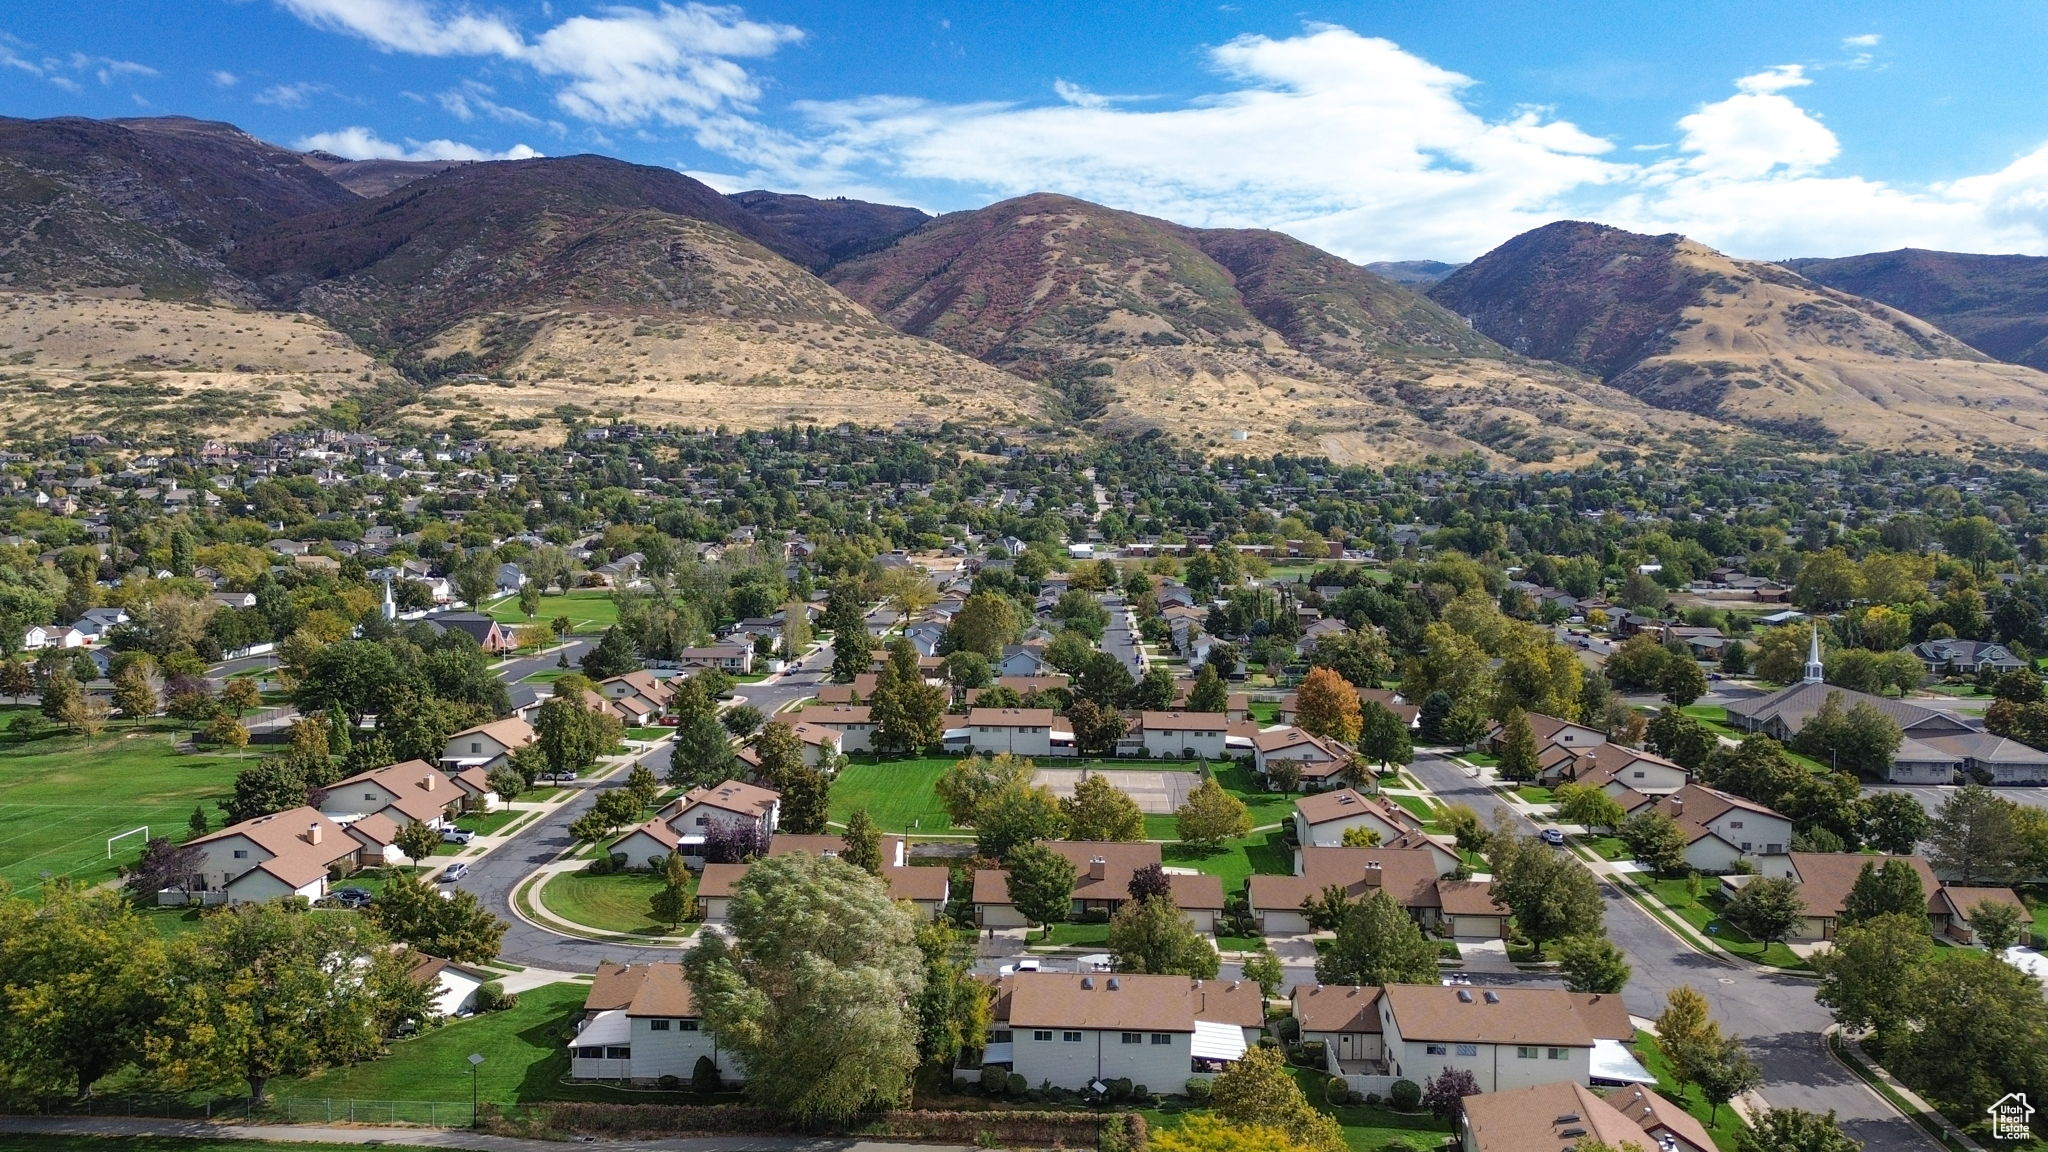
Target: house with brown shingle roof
x,y
1322,818
926,888
1720,828
688,821
640,1023
1102,883
1413,876
1613,768
1070,1029
486,746
289,853
1172,735
1508,1037
1563,1115
855,726
1322,761
1825,880
402,793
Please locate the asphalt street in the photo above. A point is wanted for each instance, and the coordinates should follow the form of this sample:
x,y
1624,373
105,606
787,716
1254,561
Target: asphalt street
x,y
1776,1015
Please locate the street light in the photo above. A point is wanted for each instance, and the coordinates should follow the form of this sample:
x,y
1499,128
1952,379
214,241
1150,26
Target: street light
x,y
476,1059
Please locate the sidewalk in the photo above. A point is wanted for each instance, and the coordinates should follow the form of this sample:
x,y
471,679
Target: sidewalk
x,y
1872,1070
440,1138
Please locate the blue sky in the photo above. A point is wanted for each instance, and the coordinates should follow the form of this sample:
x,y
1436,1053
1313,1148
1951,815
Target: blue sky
x,y
1377,130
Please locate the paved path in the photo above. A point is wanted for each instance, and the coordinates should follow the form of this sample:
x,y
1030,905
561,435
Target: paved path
x,y
1775,1014
441,1138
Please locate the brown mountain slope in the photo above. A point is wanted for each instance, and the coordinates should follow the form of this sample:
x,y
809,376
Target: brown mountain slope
x,y
1997,304
840,228
1684,327
204,184
1241,340
374,177
55,235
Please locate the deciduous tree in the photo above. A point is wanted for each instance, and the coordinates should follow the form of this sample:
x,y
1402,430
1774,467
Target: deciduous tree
x,y
1865,971
1377,942
1211,816
1592,964
454,926
1257,1090
1099,810
1327,705
1153,936
1041,883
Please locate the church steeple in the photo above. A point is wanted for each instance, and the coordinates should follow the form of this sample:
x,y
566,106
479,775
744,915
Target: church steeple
x,y
1815,670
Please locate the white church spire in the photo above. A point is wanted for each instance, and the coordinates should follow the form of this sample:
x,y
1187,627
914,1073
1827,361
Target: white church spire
x,y
1815,670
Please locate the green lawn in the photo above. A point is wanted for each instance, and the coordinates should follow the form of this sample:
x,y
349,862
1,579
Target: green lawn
x,y
1482,759
649,733
1264,711
524,1060
1237,860
1725,1128
1077,936
1705,915
487,823
589,609
1714,717
614,903
1366,1128
59,800
1536,794
1416,805
549,676
897,794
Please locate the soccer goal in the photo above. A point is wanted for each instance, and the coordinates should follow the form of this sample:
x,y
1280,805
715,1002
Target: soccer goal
x,y
144,830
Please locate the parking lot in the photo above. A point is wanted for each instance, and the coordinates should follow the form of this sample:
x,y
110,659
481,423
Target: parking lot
x,y
1931,796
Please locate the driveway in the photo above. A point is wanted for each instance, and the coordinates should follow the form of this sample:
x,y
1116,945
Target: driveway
x,y
1776,1015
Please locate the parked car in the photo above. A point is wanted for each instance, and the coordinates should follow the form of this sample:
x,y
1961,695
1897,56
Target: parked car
x,y
1019,966
351,897
454,872
456,835
1553,837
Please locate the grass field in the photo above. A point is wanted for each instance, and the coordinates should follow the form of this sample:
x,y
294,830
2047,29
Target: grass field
x,y
523,1060
59,800
1705,915
1726,1126
1238,860
589,609
897,794
487,823
1366,1128
1077,936
614,903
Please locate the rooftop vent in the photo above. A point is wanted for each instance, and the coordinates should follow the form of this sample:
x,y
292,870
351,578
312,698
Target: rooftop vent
x,y
1492,997
1088,982
1464,997
1114,984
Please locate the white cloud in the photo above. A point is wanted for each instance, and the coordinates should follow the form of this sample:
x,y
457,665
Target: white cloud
x,y
223,79
358,143
472,98
624,66
1867,40
1757,130
1078,96
64,71
289,95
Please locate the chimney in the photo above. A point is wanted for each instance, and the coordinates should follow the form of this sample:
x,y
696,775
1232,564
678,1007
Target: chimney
x,y
1677,807
427,781
1098,868
313,832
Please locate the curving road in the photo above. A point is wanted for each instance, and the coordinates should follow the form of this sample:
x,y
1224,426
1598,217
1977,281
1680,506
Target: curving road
x,y
1776,1015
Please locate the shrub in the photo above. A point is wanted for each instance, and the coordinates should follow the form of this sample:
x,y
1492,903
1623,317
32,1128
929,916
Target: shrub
x,y
1288,1027
670,1083
1015,1085
1119,1090
1200,1090
1092,916
962,1085
994,1079
1140,1094
1335,1089
704,1077
1405,1095
1313,1054
1372,1099
492,997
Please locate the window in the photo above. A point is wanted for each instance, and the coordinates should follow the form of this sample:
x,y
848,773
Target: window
x,y
1735,823
1070,1037
618,1052
702,821
1134,1037
369,795
1638,775
1435,1050
686,1025
1468,1049
590,1053
1162,1037
1557,1053
1525,1052
241,853
1001,1036
657,1025
1041,1035
475,746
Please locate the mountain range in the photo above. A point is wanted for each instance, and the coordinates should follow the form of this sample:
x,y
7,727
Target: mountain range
x,y
168,274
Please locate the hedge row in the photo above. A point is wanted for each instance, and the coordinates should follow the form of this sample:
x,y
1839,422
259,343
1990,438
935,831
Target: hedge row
x,y
1118,1132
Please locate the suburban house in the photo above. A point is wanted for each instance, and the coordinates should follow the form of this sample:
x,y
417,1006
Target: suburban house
x,y
486,746
1321,760
926,888
451,987
731,659
1392,701
288,853
1023,731
1102,882
1019,660
1509,1037
1070,1030
852,722
1720,829
1614,769
1236,706
1172,735
644,686
489,635
1966,657
1564,1114
400,794
1825,879
690,819
820,744
1413,876
1550,730
1322,818
640,1023
860,691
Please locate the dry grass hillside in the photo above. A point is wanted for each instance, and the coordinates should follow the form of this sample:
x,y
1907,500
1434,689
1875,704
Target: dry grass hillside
x,y
75,362
711,370
1776,351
